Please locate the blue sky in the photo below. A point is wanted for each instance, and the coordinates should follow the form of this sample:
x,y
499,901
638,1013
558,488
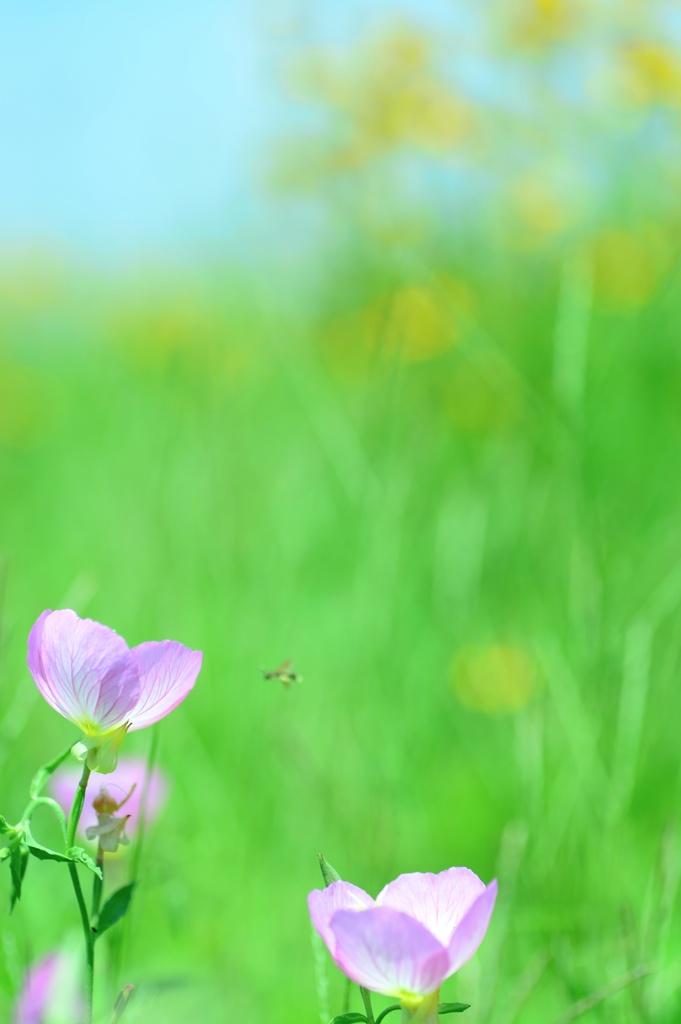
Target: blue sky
x,y
146,129
125,124
143,126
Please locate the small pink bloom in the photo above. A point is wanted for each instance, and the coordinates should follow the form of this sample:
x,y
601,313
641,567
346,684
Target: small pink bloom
x,y
90,676
420,929
131,771
50,992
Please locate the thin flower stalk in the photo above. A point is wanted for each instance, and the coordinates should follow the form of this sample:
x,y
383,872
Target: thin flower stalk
x,y
74,818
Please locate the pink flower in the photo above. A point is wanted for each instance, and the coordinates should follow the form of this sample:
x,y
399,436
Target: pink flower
x,y
131,771
90,676
420,929
51,992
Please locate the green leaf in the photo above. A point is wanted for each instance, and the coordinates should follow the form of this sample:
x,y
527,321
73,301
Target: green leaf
x,y
388,1009
349,1018
453,1007
18,862
5,828
329,873
115,908
44,853
76,855
79,856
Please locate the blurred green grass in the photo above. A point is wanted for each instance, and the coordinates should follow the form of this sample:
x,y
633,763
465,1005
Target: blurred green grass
x,y
266,470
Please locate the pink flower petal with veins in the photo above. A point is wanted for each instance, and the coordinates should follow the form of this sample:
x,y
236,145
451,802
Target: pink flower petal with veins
x,y
84,670
167,671
324,903
89,675
437,901
388,952
471,929
422,928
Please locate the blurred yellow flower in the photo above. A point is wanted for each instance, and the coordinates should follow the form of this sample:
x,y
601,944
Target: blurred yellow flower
x,y
185,333
412,324
417,326
538,210
387,95
497,679
629,264
651,73
543,23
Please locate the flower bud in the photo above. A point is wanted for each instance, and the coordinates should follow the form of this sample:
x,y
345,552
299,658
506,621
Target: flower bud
x,y
104,803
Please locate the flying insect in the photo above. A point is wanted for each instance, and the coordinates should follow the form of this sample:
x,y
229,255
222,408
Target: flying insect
x,y
284,674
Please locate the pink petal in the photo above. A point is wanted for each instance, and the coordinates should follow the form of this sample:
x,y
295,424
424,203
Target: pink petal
x,y
51,979
388,952
118,784
168,671
324,903
438,902
34,1000
83,669
471,930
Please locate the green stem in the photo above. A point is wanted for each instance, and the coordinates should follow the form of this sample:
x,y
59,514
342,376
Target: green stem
x,y
388,1009
97,886
87,934
47,801
366,999
74,818
77,808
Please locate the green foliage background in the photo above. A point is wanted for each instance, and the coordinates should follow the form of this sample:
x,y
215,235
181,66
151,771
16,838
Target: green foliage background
x,y
304,463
